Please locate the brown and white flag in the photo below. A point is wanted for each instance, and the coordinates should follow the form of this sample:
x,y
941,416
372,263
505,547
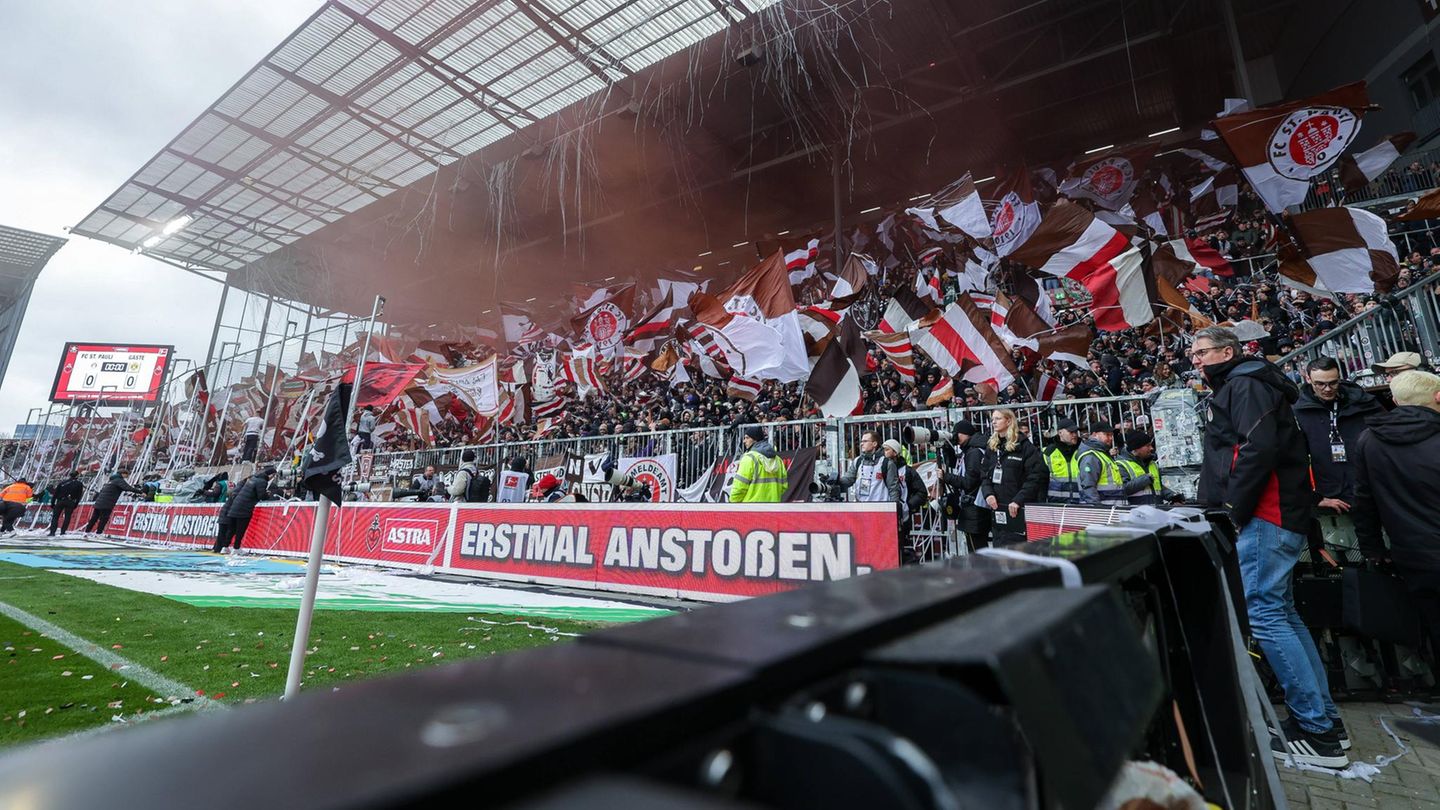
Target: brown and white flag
x,y
1281,147
850,285
1426,206
1361,168
1069,343
1017,214
1071,243
834,383
957,205
1348,249
1108,180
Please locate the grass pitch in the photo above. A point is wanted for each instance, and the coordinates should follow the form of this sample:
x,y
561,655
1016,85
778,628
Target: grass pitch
x,y
228,654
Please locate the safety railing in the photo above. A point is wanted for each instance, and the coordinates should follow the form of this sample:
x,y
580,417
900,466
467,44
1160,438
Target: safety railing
x,y
1407,321
1412,174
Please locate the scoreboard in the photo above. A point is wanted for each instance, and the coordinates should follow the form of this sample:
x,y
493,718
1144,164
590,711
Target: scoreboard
x,y
110,374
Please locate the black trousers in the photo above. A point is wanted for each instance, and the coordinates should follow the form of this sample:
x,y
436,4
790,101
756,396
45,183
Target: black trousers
x,y
232,530
252,443
10,511
99,519
60,515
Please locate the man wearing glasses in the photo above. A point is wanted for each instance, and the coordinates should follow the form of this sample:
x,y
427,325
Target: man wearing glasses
x,y
1332,413
1256,467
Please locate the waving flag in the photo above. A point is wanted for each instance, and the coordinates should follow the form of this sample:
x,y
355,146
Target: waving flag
x,y
1357,170
1071,243
834,383
898,350
962,343
1348,249
1017,215
1281,148
1107,180
605,322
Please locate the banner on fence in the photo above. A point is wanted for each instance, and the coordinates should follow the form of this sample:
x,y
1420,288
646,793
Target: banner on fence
x,y
697,551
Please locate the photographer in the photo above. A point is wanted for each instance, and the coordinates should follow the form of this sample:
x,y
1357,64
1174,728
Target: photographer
x,y
469,486
874,477
428,485
962,463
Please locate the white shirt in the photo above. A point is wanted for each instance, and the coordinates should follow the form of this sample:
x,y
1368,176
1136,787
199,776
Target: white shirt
x,y
254,425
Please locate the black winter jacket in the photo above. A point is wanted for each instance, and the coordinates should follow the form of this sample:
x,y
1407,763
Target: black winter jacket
x,y
960,490
1022,471
109,494
1256,463
242,504
69,492
1352,407
1397,475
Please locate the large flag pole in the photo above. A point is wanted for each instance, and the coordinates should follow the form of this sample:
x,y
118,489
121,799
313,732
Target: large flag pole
x,y
330,453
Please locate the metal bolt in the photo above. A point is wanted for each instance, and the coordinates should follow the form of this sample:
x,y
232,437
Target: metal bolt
x,y
855,695
716,767
463,723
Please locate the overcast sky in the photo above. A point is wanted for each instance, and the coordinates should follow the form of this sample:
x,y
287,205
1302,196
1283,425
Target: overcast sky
x,y
92,90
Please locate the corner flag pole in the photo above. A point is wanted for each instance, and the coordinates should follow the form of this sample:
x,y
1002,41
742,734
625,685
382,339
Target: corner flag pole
x,y
317,537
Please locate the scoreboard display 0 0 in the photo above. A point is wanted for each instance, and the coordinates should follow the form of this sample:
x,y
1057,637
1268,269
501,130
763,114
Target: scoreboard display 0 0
x,y
110,374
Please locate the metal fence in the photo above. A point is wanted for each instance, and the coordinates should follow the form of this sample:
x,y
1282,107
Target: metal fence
x,y
1412,175
1407,321
699,450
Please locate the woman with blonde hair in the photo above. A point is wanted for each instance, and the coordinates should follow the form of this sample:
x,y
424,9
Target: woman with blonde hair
x,y
1012,477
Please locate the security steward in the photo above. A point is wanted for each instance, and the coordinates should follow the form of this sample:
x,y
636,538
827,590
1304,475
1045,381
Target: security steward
x,y
1139,473
12,504
1098,479
760,476
1063,464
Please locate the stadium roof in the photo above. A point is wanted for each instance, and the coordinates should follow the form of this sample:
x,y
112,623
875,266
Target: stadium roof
x,y
452,154
369,96
23,254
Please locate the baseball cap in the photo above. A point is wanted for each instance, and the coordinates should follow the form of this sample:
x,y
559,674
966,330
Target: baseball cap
x,y
1399,360
1068,424
1101,427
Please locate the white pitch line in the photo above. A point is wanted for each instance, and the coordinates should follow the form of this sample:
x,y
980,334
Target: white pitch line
x,y
154,681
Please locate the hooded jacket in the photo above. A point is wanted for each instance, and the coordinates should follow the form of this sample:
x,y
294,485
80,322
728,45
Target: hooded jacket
x,y
109,494
1256,463
760,477
1352,406
255,489
1397,473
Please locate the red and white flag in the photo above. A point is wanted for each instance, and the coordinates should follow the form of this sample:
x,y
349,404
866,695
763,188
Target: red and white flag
x,y
1071,243
1017,214
962,343
898,350
1198,251
1281,148
1362,168
739,387
1347,249
757,314
943,392
519,329
927,285
1048,388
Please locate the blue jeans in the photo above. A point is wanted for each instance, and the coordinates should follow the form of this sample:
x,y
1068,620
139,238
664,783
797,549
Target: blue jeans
x,y
1267,559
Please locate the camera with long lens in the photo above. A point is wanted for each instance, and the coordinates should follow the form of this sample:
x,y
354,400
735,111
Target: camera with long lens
x,y
827,490
915,434
627,488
